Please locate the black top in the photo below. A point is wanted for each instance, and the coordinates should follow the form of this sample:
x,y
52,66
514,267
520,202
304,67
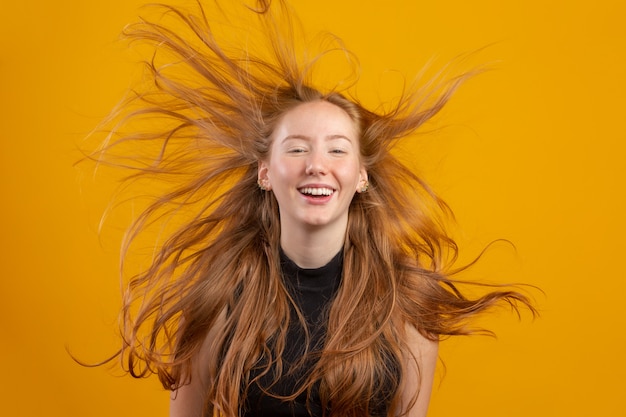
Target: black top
x,y
312,291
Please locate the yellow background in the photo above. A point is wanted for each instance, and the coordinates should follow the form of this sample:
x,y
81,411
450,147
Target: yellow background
x,y
534,153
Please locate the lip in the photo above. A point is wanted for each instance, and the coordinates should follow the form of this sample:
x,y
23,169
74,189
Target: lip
x,y
316,185
320,198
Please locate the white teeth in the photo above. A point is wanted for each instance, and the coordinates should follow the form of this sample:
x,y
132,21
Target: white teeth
x,y
316,191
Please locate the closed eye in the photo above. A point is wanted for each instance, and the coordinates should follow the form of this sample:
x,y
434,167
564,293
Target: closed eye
x,y
296,150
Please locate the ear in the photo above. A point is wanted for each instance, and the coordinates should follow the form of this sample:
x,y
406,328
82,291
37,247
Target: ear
x,y
263,176
363,183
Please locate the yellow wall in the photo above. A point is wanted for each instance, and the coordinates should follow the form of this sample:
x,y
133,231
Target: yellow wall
x,y
535,154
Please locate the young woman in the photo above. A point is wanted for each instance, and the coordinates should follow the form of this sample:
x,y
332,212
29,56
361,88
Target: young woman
x,y
307,271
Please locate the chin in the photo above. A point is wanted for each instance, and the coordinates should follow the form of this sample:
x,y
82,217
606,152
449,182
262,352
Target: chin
x,y
319,222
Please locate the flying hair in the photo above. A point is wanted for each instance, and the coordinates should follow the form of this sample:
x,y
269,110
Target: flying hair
x,y
189,137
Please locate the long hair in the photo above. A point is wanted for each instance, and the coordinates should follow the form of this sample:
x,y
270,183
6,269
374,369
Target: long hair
x,y
197,127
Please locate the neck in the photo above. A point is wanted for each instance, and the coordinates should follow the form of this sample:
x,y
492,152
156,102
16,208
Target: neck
x,y
312,248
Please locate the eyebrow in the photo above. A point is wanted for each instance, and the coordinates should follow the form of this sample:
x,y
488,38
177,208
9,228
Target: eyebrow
x,y
329,137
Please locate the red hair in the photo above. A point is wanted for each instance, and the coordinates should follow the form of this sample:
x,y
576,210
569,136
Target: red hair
x,y
199,125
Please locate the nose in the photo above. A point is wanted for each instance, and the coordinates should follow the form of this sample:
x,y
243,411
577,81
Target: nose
x,y
316,163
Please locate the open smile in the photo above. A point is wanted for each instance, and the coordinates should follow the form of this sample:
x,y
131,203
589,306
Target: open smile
x,y
316,191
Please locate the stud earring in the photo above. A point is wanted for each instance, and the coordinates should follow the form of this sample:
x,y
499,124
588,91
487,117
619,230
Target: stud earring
x,y
365,187
261,185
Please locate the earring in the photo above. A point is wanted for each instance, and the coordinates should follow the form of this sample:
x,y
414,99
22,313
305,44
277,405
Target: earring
x,y
261,185
365,187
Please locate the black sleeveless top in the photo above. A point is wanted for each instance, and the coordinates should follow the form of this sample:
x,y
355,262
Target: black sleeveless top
x,y
312,291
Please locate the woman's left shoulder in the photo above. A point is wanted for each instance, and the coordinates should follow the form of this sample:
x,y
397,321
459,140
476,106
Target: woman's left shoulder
x,y
420,362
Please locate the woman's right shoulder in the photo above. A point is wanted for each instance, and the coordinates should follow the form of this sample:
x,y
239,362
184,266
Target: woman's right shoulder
x,y
189,398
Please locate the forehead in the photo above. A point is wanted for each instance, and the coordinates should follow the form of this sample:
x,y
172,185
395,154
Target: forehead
x,y
316,118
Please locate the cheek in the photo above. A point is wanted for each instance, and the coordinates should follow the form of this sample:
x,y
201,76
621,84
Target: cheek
x,y
351,173
284,170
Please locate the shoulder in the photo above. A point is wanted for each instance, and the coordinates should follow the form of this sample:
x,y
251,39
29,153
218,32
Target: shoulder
x,y
420,362
190,397
418,345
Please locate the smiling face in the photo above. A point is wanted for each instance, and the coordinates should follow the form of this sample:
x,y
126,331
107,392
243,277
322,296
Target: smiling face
x,y
314,167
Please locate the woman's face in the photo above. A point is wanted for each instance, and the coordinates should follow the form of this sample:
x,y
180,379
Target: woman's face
x,y
314,166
